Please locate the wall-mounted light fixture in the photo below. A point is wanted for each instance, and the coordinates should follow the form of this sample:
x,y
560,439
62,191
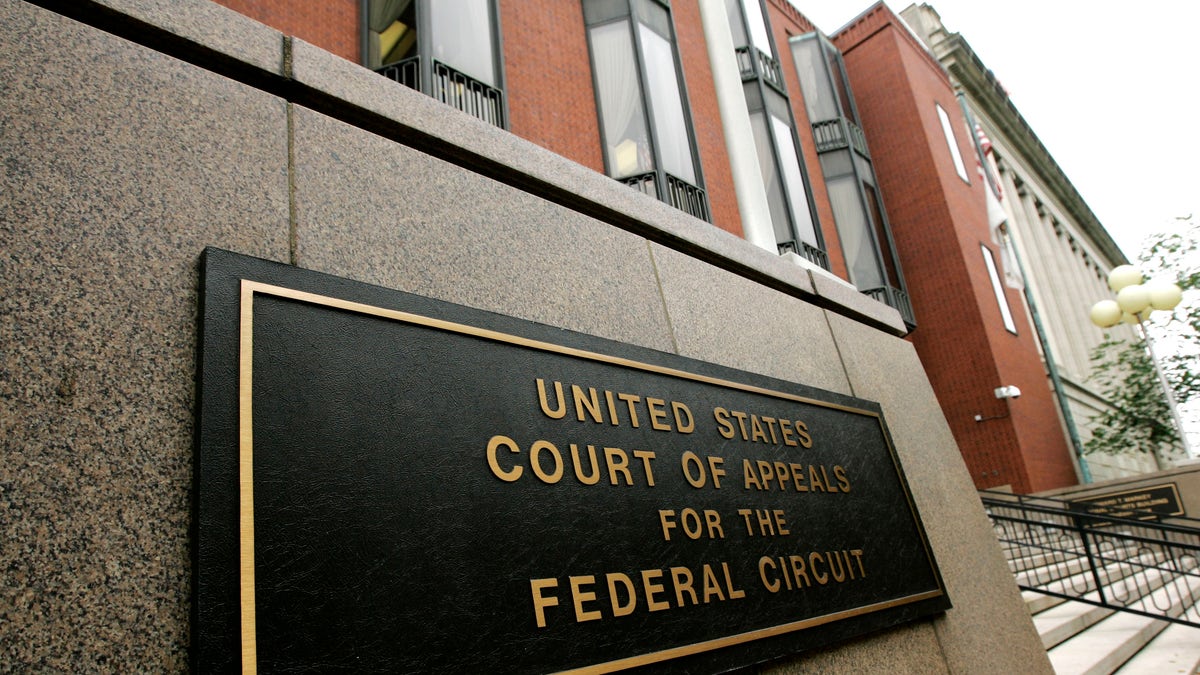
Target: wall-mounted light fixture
x,y
1003,393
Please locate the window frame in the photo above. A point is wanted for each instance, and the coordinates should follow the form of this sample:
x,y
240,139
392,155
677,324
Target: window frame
x,y
769,99
952,143
424,27
630,15
1006,315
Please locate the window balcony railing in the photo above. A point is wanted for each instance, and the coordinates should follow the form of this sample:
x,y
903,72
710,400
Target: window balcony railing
x,y
839,133
452,87
407,72
678,193
897,299
753,63
810,253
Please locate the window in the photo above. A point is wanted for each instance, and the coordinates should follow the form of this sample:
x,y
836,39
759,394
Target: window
x,y
858,211
448,49
782,169
998,289
647,135
952,142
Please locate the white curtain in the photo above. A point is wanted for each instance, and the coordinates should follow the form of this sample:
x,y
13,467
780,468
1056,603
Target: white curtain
x,y
620,103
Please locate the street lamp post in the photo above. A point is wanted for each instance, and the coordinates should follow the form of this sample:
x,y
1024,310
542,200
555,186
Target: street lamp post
x,y
1134,302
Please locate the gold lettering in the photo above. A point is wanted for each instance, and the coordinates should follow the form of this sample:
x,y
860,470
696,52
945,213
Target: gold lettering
x,y
713,520
588,401
725,427
630,400
813,558
509,475
657,413
771,585
798,477
843,482
535,451
612,407
540,601
682,577
646,456
741,418
838,571
734,593
771,425
618,462
666,517
766,472
652,589
814,481
802,433
711,585
560,410
780,523
617,608
785,427
579,597
594,476
781,472
756,430
748,475
714,467
682,412
857,553
798,570
690,460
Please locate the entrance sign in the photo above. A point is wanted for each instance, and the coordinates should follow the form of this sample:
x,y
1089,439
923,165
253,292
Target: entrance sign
x,y
1150,502
391,483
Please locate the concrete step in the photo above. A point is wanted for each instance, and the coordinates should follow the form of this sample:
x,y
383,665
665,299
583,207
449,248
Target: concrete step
x,y
1175,651
1106,645
1136,572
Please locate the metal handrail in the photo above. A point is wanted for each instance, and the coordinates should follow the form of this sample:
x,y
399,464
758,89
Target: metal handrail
x,y
1056,503
1145,568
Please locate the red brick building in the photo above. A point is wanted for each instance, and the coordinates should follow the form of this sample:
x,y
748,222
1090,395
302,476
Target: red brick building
x,y
856,172
935,199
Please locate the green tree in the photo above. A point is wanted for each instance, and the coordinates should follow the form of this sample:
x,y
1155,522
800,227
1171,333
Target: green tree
x,y
1139,418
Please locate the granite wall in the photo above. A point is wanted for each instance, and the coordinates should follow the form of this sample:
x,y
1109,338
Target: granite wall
x,y
135,133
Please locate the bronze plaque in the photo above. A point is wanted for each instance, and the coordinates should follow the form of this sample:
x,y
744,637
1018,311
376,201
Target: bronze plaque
x,y
1148,503
390,483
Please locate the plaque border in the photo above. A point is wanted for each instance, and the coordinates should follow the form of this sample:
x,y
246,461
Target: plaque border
x,y
246,581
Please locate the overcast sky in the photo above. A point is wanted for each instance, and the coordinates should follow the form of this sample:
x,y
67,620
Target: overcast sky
x,y
1112,94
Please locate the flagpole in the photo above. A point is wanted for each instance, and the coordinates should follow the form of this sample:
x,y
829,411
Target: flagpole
x,y
1056,382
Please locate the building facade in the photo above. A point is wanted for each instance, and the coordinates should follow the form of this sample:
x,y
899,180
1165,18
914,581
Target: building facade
x,y
744,114
973,336
1064,251
170,128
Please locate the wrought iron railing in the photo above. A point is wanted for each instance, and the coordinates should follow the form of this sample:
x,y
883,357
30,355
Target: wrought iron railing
x,y
753,63
676,192
895,298
1145,568
838,133
407,72
807,251
452,87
